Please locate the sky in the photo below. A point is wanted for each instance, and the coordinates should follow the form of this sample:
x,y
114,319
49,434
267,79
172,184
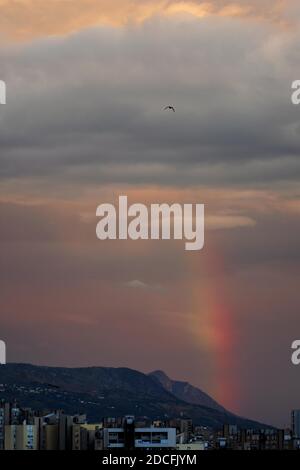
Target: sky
x,y
86,84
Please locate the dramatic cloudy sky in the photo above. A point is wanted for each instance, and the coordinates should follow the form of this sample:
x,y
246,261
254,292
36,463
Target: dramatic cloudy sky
x,y
86,82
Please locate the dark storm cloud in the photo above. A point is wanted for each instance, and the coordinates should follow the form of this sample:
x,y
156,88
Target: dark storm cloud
x,y
89,107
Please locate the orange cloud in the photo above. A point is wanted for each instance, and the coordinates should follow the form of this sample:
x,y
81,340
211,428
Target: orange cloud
x,y
27,19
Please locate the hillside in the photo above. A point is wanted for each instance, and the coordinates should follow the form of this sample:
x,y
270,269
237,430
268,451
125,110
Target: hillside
x,y
186,392
103,391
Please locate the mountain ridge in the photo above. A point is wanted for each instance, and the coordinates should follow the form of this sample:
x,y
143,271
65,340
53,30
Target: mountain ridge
x,y
183,390
105,391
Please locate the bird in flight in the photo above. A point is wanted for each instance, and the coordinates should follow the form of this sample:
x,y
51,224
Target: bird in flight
x,y
171,108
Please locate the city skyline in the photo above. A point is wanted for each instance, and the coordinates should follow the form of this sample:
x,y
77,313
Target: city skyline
x,y
29,429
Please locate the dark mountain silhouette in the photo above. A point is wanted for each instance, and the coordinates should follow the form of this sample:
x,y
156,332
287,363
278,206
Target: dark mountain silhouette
x,y
105,391
186,392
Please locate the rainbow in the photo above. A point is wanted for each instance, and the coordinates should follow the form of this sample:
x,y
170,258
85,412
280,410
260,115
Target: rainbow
x,y
212,325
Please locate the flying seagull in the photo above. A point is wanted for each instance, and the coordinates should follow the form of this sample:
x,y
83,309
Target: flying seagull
x,y
171,108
